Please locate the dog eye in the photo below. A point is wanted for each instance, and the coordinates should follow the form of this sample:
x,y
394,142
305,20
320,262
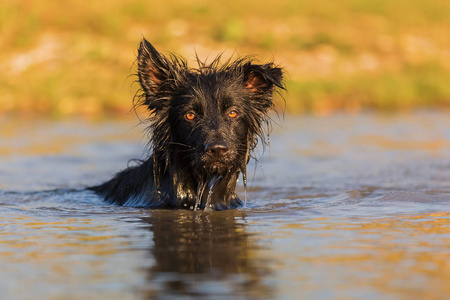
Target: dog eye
x,y
190,116
232,114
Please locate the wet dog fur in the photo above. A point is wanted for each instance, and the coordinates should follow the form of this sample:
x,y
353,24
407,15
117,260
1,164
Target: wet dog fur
x,y
204,124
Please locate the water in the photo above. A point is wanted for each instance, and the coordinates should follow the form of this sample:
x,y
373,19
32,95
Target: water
x,y
345,207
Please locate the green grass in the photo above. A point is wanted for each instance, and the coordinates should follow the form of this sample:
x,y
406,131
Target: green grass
x,y
416,86
75,57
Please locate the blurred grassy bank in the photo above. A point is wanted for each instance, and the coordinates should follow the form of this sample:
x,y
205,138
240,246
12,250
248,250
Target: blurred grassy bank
x,y
75,57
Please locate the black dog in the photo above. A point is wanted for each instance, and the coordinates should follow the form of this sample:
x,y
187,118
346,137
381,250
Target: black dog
x,y
204,123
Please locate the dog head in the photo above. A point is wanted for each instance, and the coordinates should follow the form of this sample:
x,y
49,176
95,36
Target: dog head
x,y
207,119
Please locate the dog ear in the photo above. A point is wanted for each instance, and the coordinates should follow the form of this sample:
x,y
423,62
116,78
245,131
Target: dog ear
x,y
153,68
262,78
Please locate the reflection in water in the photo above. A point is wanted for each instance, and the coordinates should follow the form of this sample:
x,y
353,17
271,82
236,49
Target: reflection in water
x,y
394,257
195,253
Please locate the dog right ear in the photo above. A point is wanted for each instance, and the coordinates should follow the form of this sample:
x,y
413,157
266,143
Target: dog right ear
x,y
153,68
262,78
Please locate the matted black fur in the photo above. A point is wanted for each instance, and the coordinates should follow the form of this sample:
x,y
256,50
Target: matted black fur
x,y
204,123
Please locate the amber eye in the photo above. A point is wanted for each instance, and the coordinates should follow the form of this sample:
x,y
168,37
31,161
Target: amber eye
x,y
190,116
233,114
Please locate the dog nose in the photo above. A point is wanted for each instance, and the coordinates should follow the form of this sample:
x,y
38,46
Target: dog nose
x,y
217,149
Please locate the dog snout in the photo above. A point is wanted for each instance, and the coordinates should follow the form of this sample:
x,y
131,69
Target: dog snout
x,y
217,149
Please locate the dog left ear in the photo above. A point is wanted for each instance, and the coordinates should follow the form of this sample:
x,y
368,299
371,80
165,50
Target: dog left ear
x,y
262,78
153,68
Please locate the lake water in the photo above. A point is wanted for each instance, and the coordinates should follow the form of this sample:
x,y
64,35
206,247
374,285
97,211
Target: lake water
x,y
343,207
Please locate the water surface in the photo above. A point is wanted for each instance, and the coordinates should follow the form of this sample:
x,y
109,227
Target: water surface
x,y
344,207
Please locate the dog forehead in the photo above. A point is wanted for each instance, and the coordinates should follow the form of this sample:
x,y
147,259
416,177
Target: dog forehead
x,y
215,90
